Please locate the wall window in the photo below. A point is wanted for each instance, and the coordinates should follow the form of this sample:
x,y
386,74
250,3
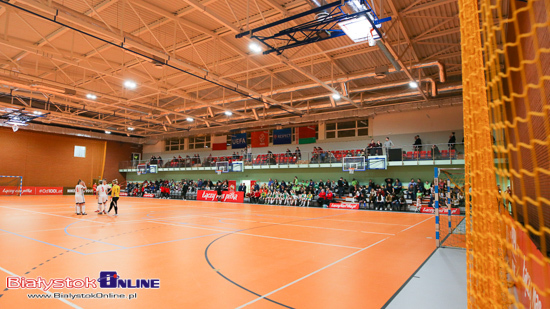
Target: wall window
x,y
199,142
174,144
80,151
347,129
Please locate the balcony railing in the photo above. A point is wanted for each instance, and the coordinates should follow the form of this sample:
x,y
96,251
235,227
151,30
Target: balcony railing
x,y
408,153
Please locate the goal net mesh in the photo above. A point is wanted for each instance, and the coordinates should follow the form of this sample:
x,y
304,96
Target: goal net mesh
x,y
506,93
10,185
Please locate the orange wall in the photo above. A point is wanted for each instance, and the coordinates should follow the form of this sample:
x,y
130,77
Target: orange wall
x,y
117,152
45,159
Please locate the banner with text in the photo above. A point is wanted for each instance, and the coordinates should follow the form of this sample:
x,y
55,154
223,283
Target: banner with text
x,y
11,190
523,262
283,136
344,205
238,141
70,191
442,211
259,139
227,196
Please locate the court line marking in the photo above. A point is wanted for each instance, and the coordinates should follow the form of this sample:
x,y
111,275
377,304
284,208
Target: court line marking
x,y
44,242
365,222
330,228
47,292
309,275
86,238
416,224
263,236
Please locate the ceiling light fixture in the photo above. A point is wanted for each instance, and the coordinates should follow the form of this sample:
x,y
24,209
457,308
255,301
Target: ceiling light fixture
x,y
107,132
336,96
413,84
228,113
130,128
130,84
91,96
255,48
190,119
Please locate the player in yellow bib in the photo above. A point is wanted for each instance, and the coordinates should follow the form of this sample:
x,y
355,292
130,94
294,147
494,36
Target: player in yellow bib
x,y
115,194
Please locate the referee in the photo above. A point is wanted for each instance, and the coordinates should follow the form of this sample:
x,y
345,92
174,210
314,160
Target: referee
x,y
115,194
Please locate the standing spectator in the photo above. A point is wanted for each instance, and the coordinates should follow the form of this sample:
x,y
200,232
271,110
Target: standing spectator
x,y
388,144
249,153
340,187
298,153
184,190
417,143
378,148
452,141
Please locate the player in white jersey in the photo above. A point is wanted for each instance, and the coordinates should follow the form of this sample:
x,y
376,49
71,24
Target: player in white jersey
x,y
79,198
102,197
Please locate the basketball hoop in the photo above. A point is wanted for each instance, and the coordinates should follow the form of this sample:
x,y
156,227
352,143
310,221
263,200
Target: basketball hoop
x,y
219,172
352,170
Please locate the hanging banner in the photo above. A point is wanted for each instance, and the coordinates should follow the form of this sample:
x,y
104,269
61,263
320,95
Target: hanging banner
x,y
306,135
283,136
260,139
238,141
219,142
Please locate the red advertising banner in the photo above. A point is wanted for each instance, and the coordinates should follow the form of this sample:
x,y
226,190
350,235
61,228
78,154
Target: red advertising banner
x,y
344,205
442,211
123,193
232,185
11,190
528,269
47,190
259,139
148,195
227,196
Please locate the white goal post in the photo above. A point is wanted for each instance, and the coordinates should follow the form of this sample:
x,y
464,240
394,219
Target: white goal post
x,y
11,185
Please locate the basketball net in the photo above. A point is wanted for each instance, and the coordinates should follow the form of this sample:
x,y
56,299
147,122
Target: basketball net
x,y
352,170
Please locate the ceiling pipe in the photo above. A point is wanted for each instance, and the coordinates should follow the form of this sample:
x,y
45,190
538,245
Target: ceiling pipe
x,y
320,105
335,115
439,65
80,133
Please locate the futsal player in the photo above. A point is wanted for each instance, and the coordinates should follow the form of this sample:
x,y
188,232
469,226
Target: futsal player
x,y
115,194
79,198
102,197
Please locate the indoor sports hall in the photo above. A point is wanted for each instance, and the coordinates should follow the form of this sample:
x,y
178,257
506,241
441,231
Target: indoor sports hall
x,y
275,154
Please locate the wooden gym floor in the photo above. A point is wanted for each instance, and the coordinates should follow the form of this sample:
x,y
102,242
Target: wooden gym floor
x,y
212,255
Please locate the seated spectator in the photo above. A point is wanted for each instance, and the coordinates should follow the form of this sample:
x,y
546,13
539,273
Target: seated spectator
x,y
329,197
322,196
435,152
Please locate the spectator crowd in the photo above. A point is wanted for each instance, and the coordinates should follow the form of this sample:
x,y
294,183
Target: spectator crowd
x,y
390,195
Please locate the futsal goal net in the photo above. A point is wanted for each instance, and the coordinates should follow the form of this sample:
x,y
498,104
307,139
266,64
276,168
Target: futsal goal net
x,y
505,48
450,207
11,185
